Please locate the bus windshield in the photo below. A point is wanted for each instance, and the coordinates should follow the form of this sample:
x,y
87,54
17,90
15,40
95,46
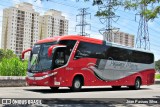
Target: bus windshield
x,y
39,60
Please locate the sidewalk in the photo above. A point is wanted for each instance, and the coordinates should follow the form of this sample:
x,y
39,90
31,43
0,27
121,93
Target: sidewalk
x,y
19,81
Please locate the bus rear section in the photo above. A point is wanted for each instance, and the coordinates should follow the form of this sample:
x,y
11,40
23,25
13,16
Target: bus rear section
x,y
74,61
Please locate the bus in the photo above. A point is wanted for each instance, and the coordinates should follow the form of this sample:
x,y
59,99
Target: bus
x,y
74,61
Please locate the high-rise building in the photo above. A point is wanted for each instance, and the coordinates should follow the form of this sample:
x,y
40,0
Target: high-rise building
x,y
20,28
53,24
122,38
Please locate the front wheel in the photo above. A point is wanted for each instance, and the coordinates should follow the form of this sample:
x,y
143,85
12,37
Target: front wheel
x,y
76,85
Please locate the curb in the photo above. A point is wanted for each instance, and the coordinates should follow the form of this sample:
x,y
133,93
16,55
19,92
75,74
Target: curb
x,y
157,81
19,81
12,81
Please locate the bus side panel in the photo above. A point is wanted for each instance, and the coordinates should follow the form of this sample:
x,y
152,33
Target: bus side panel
x,y
79,67
148,77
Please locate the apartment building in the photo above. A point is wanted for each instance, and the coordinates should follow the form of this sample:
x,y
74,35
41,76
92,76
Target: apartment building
x,y
53,24
20,27
121,38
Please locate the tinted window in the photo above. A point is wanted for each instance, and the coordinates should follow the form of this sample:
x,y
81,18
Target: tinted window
x,y
91,50
121,54
118,54
61,55
106,52
142,57
70,44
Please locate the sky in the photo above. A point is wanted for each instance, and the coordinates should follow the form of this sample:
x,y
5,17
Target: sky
x,y
69,8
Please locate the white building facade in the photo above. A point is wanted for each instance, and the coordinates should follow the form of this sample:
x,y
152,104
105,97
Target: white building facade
x,y
20,27
121,38
53,24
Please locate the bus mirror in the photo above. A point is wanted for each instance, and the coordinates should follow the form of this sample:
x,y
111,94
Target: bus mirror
x,y
23,53
51,48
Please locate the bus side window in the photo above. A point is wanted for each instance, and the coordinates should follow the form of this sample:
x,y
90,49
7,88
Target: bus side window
x,y
91,50
59,58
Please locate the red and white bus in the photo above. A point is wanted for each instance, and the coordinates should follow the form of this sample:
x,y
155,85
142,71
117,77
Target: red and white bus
x,y
76,61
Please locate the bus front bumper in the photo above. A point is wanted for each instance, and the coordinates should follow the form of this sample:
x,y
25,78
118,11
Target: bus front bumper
x,y
46,80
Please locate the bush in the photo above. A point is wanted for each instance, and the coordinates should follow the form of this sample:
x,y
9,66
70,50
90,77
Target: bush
x,y
157,76
13,67
6,54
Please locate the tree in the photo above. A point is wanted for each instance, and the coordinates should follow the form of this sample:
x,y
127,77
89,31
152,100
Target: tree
x,y
157,65
152,8
6,54
150,13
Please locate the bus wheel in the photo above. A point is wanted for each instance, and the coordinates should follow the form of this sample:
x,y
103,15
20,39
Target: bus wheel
x,y
54,88
116,87
137,84
77,84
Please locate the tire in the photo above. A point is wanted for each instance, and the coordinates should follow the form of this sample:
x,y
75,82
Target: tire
x,y
137,84
76,84
54,88
116,87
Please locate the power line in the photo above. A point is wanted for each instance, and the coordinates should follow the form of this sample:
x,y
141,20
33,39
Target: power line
x,y
107,31
142,40
82,24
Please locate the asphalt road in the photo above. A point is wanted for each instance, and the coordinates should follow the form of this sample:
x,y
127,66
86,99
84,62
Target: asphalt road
x,y
152,91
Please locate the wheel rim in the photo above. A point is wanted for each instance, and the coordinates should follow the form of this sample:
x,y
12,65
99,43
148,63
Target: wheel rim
x,y
137,84
77,84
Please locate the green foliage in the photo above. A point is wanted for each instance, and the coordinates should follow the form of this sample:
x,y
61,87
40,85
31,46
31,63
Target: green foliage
x,y
129,5
157,76
6,54
151,13
13,67
97,2
109,11
157,64
104,13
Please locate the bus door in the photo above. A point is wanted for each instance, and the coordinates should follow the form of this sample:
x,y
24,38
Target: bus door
x,y
59,61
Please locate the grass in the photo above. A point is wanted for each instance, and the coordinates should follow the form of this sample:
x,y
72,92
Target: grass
x,y
157,76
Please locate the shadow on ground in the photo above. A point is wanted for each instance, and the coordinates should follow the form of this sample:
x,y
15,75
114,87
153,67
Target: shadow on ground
x,y
83,90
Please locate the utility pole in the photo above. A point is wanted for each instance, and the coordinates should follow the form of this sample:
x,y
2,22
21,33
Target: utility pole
x,y
82,24
107,19
142,40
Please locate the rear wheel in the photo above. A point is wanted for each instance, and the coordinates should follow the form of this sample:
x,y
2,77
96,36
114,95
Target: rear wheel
x,y
54,88
116,87
137,84
77,84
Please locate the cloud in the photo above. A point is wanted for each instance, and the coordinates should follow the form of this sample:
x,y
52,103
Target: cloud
x,y
15,1
37,5
72,23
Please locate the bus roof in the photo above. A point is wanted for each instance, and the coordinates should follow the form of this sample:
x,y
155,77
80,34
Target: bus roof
x,y
87,39
70,37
